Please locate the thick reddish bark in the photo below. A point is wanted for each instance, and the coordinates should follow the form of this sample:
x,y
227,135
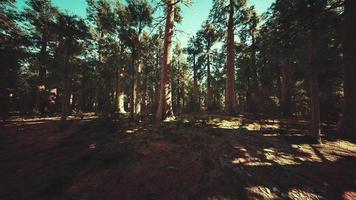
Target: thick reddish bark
x,y
165,110
348,122
230,95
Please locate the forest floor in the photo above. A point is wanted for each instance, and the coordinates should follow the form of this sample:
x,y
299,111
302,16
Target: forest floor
x,y
195,157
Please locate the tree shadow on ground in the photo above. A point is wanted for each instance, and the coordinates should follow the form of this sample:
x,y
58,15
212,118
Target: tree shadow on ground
x,y
200,158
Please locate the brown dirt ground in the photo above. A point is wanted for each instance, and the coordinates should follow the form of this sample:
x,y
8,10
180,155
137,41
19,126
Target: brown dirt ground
x,y
207,157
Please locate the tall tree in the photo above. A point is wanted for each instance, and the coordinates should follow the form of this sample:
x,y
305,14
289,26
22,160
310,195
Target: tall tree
x,y
40,14
10,54
193,50
165,109
210,36
348,122
230,95
133,19
71,32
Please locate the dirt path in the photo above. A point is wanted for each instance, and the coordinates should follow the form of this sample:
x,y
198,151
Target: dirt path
x,y
210,157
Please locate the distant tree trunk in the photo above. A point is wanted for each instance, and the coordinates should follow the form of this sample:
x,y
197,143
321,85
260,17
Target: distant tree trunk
x,y
119,91
165,109
195,86
347,124
137,90
144,98
209,92
314,89
279,88
314,106
66,88
249,89
178,88
157,84
253,93
285,91
230,99
133,85
41,79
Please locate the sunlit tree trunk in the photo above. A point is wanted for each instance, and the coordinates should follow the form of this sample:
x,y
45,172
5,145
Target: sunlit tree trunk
x,y
137,87
165,110
230,95
348,122
119,91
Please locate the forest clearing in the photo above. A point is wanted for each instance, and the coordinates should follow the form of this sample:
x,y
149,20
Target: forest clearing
x,y
177,99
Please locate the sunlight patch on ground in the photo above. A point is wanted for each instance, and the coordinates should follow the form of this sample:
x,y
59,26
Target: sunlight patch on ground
x,y
327,152
280,158
41,120
132,131
260,192
297,194
348,195
257,126
234,123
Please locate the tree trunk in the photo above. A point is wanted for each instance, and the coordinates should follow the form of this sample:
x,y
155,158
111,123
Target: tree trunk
x,y
165,110
39,105
119,91
157,84
66,89
347,124
230,99
285,91
178,88
314,107
144,99
209,92
133,86
137,87
195,87
314,89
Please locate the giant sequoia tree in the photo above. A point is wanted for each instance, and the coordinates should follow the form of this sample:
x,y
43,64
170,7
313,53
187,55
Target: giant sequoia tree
x,y
165,109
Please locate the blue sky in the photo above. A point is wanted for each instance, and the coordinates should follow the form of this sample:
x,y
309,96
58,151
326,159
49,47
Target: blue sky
x,y
192,17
